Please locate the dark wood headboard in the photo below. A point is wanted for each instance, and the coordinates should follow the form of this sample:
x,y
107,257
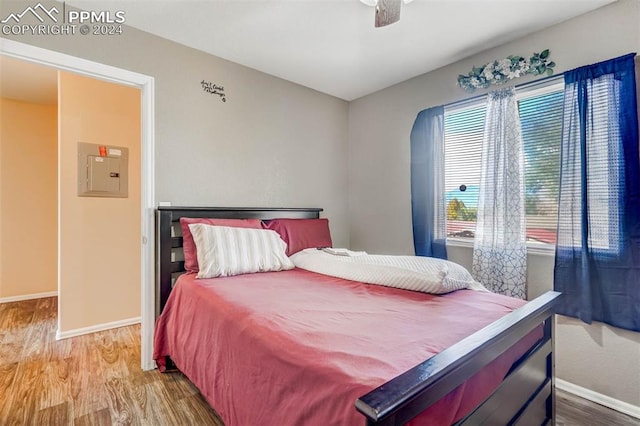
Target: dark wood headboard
x,y
169,239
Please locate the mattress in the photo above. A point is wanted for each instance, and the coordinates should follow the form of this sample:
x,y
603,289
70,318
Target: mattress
x,y
298,348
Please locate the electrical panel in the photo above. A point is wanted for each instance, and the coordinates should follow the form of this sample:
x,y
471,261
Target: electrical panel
x,y
102,170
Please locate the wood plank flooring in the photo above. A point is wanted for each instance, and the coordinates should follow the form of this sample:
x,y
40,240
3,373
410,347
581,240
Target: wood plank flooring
x,y
88,380
96,380
572,410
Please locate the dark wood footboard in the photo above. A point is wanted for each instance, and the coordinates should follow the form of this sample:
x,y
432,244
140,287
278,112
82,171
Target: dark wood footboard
x,y
525,397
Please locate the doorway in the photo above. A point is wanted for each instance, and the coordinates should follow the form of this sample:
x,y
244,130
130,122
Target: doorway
x,y
28,172
147,194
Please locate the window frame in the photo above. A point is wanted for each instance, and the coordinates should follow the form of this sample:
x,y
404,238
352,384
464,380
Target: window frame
x,y
551,85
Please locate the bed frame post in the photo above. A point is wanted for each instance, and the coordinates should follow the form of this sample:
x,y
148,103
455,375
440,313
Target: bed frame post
x,y
549,332
163,257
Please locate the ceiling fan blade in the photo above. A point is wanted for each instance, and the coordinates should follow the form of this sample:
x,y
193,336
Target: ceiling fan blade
x,y
387,12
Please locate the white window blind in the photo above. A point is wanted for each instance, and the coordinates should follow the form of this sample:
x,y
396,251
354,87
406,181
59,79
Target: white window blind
x,y
604,167
541,120
463,131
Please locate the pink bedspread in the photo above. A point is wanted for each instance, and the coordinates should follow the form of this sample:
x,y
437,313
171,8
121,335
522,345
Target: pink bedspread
x,y
298,348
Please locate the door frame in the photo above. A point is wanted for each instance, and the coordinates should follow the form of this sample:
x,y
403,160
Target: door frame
x,y
145,83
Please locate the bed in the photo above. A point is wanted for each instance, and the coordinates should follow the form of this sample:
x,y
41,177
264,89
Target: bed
x,y
445,388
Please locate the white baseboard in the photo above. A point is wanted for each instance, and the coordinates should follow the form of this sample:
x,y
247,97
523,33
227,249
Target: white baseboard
x,y
95,328
598,398
28,297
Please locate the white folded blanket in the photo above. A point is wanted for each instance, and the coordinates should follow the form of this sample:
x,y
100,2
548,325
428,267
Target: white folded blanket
x,y
417,273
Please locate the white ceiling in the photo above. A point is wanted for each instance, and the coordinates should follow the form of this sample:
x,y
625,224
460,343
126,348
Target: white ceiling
x,y
332,45
327,45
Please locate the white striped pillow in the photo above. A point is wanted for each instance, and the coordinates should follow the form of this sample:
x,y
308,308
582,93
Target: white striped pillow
x,y
225,251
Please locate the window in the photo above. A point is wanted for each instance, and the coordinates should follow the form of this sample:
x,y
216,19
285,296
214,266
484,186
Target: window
x,y
605,169
541,120
605,164
463,130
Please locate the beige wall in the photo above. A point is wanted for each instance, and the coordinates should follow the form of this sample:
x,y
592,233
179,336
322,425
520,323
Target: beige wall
x,y
597,357
28,198
100,238
272,144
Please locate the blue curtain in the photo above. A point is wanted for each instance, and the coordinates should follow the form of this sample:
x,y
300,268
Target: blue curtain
x,y
597,265
427,183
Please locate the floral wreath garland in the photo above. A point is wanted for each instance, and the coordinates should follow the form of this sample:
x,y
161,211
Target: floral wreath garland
x,y
502,70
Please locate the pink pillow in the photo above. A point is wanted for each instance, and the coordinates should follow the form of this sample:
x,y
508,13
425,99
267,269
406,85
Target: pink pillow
x,y
300,234
189,246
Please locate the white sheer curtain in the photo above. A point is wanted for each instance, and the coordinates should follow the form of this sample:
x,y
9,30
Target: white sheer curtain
x,y
500,251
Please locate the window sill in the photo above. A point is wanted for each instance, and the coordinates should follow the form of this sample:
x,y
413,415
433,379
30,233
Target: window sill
x,y
532,248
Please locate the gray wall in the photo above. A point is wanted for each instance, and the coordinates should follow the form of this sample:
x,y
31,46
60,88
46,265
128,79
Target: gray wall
x,y
272,144
597,357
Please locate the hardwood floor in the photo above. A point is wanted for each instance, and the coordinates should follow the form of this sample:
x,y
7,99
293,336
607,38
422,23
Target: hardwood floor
x,y
96,380
88,380
572,410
